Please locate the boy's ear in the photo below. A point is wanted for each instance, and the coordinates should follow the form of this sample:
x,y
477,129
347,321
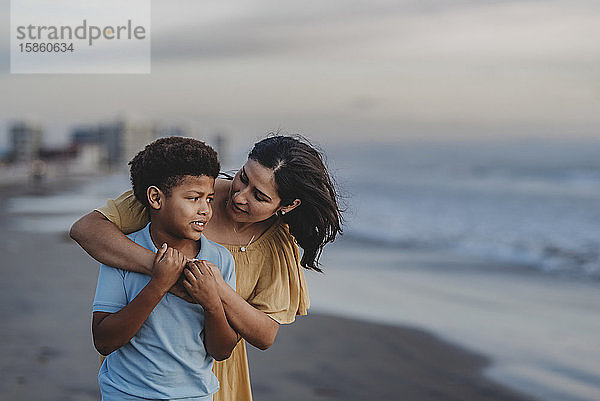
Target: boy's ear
x,y
155,197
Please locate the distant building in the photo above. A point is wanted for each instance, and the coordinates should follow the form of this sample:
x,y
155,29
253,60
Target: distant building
x,y
114,144
85,135
135,135
124,138
90,155
25,141
109,136
221,146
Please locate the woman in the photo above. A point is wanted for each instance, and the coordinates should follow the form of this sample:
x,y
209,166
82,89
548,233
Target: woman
x,y
281,198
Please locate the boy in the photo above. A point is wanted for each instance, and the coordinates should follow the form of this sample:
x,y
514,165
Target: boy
x,y
159,346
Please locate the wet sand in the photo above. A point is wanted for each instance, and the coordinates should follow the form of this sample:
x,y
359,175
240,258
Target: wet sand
x,y
321,357
46,293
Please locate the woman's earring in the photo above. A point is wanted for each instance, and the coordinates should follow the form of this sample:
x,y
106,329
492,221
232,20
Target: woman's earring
x,y
280,213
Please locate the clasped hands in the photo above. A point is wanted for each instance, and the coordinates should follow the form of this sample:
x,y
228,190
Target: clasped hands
x,y
193,280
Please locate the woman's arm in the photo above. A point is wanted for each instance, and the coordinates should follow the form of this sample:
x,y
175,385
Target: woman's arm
x,y
113,330
103,241
255,326
219,337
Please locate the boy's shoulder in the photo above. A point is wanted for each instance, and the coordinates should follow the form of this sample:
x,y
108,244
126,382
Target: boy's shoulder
x,y
211,247
142,237
219,255
218,247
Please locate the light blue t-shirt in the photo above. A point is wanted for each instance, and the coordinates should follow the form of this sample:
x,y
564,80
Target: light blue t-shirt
x,y
166,358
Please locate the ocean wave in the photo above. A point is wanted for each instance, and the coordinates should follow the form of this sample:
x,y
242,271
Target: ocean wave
x,y
549,258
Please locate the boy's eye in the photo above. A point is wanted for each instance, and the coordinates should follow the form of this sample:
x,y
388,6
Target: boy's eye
x,y
259,198
209,200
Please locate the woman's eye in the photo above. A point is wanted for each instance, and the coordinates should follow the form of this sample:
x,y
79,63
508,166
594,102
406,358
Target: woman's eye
x,y
209,200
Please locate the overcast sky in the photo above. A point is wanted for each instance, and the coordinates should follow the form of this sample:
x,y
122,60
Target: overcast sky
x,y
342,69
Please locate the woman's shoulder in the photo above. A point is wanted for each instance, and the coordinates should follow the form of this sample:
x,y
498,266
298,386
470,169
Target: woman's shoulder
x,y
281,289
277,234
277,247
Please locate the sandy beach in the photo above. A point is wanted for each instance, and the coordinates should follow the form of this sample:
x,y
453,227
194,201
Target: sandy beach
x,y
369,336
324,357
540,331
48,354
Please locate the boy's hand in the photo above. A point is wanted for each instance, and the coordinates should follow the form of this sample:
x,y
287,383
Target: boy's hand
x,y
168,265
200,283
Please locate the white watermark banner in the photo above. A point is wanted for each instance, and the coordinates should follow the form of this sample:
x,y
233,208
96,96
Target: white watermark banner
x,y
80,36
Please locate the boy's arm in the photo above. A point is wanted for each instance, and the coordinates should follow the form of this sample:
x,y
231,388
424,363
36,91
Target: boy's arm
x,y
113,330
103,241
219,337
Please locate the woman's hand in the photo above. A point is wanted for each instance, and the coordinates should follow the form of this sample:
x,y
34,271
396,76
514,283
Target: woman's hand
x,y
200,283
168,265
216,272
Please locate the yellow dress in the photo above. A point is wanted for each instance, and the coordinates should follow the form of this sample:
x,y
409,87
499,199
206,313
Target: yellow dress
x,y
268,276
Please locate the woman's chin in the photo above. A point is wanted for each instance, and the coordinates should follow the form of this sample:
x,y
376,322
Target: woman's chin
x,y
235,214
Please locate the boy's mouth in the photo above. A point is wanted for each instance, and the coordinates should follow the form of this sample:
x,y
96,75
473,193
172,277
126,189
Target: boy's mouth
x,y
198,225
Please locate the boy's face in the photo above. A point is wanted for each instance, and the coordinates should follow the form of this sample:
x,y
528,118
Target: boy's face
x,y
186,210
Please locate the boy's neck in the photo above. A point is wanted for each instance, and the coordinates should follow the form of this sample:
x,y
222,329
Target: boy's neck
x,y
188,247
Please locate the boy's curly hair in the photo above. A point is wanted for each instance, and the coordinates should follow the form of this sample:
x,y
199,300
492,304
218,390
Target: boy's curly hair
x,y
166,161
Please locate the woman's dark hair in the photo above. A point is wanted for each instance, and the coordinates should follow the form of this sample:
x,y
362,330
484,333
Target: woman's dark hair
x,y
301,174
165,162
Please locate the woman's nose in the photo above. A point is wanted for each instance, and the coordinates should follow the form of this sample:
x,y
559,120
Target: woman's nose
x,y
240,196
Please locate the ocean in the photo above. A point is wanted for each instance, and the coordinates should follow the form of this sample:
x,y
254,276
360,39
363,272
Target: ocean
x,y
530,202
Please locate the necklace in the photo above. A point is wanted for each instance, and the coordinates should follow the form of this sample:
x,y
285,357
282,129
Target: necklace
x,y
243,249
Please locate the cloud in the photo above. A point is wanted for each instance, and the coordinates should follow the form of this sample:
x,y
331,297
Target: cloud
x,y
208,30
349,63
519,30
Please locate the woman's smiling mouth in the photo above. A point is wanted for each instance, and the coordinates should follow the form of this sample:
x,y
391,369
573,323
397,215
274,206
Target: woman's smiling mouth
x,y
237,209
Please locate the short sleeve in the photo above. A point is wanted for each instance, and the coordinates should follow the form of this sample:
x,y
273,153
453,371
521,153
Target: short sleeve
x,y
228,268
110,291
281,290
126,212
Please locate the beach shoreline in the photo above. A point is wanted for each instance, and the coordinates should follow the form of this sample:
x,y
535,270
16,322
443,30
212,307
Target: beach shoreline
x,y
322,357
539,330
363,337
48,352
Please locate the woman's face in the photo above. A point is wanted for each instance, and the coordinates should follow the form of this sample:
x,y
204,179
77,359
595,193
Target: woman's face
x,y
253,195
